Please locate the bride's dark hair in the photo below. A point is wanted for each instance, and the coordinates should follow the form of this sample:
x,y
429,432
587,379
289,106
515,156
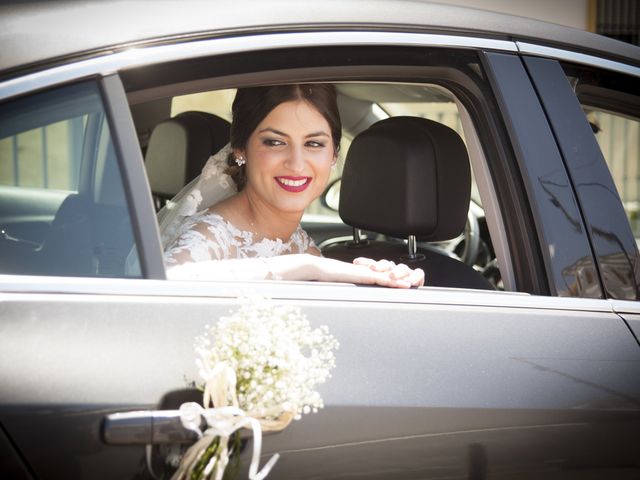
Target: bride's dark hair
x,y
253,104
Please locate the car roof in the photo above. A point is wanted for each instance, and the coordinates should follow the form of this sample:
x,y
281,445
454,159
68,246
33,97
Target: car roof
x,y
34,33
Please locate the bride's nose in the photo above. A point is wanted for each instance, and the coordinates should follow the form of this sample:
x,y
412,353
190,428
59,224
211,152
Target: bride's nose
x,y
295,160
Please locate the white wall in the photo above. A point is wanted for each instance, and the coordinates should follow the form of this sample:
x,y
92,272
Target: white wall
x,y
573,13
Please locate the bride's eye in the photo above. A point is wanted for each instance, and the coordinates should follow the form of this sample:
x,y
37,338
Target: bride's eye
x,y
272,142
315,144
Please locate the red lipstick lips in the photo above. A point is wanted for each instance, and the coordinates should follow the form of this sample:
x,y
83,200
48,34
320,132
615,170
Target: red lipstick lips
x,y
293,184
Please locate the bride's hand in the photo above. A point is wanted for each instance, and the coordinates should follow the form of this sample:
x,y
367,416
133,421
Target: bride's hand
x,y
364,271
390,274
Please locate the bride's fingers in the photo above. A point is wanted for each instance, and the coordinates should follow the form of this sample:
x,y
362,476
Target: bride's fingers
x,y
388,279
388,274
375,265
367,262
400,271
417,277
404,277
383,266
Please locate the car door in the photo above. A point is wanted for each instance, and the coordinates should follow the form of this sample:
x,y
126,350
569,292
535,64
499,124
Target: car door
x,y
430,382
66,211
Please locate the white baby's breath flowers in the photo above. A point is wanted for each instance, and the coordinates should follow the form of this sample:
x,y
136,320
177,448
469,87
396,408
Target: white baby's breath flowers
x,y
278,358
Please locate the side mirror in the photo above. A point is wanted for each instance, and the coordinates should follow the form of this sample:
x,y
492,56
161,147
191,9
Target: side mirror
x,y
331,196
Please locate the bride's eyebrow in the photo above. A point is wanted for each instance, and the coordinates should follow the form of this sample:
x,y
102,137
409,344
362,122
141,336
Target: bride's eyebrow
x,y
273,130
319,133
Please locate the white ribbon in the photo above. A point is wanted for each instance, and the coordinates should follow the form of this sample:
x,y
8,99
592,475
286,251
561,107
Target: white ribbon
x,y
222,422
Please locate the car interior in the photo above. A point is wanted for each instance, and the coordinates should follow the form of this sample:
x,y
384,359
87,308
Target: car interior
x,y
425,195
178,149
406,192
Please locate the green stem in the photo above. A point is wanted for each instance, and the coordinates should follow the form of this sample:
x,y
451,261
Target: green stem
x,y
234,457
205,458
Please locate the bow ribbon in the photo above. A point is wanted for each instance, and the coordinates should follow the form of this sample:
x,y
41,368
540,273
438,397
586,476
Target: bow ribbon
x,y
222,422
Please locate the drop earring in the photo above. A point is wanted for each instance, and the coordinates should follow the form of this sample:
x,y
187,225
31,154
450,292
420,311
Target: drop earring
x,y
240,161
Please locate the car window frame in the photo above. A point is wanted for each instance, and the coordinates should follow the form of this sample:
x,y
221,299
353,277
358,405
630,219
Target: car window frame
x,y
530,276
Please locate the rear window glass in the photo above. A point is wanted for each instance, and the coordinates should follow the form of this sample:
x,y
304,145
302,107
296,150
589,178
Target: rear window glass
x,y
63,210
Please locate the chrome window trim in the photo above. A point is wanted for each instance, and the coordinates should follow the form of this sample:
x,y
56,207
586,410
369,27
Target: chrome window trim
x,y
626,306
575,57
138,57
32,288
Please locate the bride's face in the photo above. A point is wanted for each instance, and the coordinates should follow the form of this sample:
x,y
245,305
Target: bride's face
x,y
289,157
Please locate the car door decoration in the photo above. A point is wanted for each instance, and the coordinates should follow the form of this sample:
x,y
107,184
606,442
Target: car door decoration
x,y
260,367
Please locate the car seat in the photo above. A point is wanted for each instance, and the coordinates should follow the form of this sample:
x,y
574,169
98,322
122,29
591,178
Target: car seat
x,y
178,149
91,233
408,178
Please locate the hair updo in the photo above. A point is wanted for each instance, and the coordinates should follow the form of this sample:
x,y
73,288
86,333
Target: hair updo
x,y
253,104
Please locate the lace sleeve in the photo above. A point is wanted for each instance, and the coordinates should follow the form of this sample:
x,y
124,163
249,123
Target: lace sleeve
x,y
202,238
208,247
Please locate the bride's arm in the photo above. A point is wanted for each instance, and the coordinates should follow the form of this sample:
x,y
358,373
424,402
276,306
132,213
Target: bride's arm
x,y
301,267
206,251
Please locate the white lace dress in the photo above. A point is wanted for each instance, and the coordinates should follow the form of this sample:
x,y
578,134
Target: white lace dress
x,y
206,237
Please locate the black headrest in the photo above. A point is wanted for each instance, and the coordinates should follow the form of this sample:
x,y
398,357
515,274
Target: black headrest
x,y
407,176
180,146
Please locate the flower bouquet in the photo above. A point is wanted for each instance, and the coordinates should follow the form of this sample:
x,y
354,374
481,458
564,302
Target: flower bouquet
x,y
260,367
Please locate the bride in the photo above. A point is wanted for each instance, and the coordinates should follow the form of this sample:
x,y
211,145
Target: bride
x,y
241,218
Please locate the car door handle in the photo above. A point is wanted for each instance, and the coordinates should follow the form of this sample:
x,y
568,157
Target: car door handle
x,y
146,427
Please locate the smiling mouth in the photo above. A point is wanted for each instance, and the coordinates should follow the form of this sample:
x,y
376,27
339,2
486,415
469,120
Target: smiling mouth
x,y
293,184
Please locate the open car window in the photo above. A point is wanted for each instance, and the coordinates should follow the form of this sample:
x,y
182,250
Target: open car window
x,y
361,105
